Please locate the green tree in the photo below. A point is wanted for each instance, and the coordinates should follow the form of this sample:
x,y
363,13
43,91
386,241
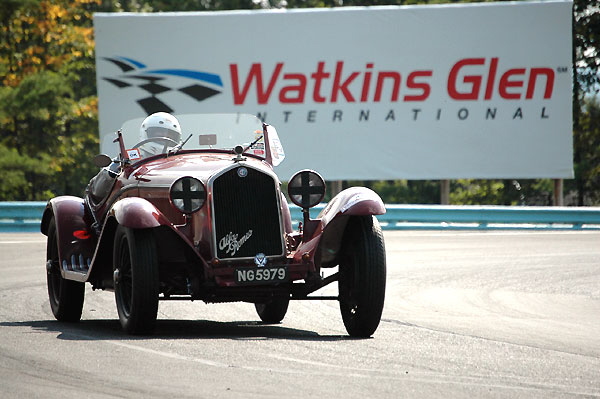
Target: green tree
x,y
586,81
407,191
48,98
22,175
587,166
204,5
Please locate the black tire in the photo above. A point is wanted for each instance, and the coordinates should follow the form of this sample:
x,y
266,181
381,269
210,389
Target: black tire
x,y
135,268
362,274
274,311
66,296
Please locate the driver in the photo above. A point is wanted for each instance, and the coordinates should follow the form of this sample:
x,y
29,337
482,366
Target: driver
x,y
162,130
158,132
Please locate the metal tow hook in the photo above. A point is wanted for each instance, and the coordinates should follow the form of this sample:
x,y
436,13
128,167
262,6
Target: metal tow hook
x,y
117,276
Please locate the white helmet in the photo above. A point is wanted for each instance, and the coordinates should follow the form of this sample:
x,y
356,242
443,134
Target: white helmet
x,y
161,124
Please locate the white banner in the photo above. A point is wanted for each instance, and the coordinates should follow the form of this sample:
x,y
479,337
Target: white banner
x,y
411,92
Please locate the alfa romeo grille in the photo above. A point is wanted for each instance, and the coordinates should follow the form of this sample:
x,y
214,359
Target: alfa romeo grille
x,y
246,214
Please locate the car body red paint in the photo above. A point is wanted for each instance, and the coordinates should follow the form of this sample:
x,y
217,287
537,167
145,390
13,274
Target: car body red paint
x,y
198,254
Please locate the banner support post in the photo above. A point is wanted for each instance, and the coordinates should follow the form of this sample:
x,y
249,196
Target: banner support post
x,y
558,192
445,192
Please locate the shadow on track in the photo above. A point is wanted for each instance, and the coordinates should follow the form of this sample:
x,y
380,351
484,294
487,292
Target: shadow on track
x,y
95,330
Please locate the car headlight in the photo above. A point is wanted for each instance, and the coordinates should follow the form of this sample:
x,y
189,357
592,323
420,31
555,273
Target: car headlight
x,y
306,188
188,194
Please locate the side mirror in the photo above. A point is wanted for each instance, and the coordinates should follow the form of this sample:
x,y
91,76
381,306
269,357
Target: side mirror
x,y
102,160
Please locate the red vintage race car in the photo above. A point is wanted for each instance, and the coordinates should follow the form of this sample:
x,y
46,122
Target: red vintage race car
x,y
205,219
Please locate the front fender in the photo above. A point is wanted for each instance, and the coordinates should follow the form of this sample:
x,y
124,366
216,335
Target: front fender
x,y
325,244
137,213
133,213
352,201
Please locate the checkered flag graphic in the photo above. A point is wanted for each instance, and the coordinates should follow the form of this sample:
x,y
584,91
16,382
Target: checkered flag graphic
x,y
157,83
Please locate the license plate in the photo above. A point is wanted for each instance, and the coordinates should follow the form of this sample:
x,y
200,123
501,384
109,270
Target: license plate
x,y
261,275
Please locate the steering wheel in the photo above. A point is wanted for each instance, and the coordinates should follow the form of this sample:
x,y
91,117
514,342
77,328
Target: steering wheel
x,y
163,140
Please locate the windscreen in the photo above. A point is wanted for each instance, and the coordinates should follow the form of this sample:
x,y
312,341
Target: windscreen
x,y
208,131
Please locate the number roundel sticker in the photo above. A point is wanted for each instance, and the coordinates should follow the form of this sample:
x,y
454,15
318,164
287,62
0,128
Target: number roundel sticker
x,y
306,188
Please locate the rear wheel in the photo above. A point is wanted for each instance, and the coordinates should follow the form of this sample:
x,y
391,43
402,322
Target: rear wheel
x,y
136,279
66,296
274,311
362,274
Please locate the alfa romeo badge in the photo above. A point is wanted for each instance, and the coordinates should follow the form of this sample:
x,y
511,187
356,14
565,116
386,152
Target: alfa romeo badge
x,y
260,260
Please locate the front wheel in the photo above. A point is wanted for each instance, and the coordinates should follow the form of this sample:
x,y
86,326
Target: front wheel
x,y
66,296
362,274
274,311
136,279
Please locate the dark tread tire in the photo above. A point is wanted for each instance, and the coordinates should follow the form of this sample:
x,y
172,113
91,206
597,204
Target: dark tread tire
x,y
272,312
137,287
66,296
362,276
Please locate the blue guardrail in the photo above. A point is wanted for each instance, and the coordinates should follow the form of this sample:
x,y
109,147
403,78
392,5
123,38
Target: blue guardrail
x,y
21,216
488,217
26,217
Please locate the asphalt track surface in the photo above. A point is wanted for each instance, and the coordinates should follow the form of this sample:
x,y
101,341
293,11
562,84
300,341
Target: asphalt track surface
x,y
467,315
